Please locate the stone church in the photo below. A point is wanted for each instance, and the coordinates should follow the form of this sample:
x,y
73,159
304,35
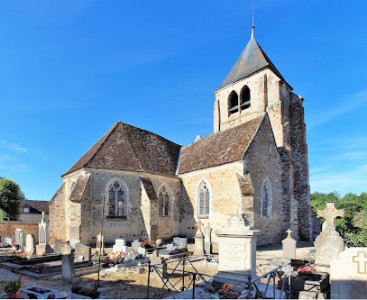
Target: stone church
x,y
255,164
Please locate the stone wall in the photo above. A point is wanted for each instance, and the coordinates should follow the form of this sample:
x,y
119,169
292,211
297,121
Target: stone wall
x,y
57,216
82,220
224,197
263,163
7,229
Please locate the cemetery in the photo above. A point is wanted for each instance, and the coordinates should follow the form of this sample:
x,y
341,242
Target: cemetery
x,y
186,269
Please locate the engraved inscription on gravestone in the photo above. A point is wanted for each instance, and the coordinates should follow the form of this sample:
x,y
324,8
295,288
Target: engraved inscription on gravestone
x,y
229,258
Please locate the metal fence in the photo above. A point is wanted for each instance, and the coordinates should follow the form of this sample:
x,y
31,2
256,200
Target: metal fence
x,y
177,279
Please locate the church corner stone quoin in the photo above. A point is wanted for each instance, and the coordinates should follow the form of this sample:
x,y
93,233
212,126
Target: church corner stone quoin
x,y
254,164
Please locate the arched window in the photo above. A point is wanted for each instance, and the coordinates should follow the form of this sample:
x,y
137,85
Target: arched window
x,y
116,200
204,199
245,97
266,199
232,103
164,202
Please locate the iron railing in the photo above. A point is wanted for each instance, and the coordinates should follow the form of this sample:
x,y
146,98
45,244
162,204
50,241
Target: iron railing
x,y
176,279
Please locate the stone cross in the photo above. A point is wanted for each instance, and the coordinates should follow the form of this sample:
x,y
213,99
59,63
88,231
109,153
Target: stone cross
x,y
330,213
289,231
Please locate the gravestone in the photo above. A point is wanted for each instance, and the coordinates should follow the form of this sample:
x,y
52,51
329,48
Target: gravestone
x,y
207,239
329,243
237,251
59,244
289,246
135,245
68,268
119,243
82,252
142,251
43,245
9,241
100,243
348,274
199,240
30,244
181,243
19,238
73,242
125,250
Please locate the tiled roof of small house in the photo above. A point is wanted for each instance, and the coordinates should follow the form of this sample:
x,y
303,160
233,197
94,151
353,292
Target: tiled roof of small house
x,y
251,60
219,148
128,148
80,186
35,206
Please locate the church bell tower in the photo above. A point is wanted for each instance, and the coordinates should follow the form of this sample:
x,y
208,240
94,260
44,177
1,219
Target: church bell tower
x,y
255,87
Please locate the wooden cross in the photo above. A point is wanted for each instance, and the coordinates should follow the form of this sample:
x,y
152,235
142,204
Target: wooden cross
x,y
100,233
289,231
330,213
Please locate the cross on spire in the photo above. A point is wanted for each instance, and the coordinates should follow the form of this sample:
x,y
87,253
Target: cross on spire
x,y
253,19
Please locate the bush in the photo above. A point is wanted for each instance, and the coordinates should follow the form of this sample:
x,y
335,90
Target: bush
x,y
357,238
13,285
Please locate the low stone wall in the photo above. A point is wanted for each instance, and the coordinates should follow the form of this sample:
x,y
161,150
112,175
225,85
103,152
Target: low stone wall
x,y
7,229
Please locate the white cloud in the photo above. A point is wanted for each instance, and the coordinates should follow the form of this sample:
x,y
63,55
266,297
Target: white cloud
x,y
350,103
12,146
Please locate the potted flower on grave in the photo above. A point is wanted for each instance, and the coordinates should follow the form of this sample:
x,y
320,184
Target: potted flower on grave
x,y
148,244
15,246
226,292
12,288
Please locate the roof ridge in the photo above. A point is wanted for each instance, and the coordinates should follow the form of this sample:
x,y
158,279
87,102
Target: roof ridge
x,y
222,131
142,129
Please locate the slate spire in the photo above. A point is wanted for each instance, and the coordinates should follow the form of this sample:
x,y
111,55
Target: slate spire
x,y
251,60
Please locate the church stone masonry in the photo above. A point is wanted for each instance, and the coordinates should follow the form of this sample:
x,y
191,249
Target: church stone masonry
x,y
254,164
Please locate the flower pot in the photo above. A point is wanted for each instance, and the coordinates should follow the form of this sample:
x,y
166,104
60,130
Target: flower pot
x,y
13,295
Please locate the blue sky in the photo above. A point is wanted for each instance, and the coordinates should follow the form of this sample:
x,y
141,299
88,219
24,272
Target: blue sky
x,y
70,69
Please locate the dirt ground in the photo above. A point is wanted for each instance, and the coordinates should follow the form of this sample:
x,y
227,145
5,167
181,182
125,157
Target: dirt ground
x,y
132,284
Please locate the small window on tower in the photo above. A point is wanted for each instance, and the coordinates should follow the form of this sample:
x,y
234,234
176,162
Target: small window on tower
x,y
232,103
245,98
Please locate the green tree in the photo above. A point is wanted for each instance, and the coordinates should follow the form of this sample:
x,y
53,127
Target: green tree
x,y
10,198
318,200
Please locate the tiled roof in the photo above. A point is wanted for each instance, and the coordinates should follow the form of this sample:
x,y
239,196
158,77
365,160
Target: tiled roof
x,y
251,60
219,148
80,186
35,206
128,148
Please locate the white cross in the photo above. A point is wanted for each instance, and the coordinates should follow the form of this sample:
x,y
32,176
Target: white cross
x,y
361,260
289,232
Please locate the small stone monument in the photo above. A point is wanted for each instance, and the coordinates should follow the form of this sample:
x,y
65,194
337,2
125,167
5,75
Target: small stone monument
x,y
119,243
43,246
207,239
136,244
19,238
82,252
348,274
68,268
289,246
199,240
100,243
30,244
329,243
237,251
9,241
